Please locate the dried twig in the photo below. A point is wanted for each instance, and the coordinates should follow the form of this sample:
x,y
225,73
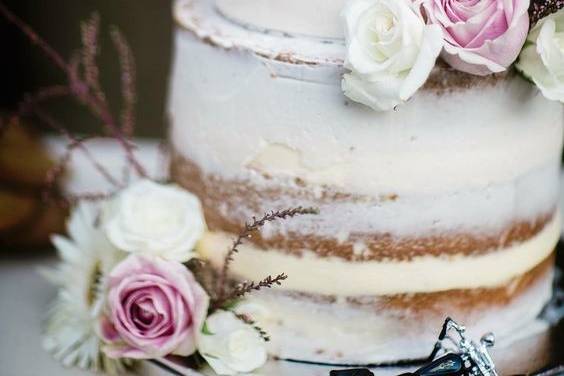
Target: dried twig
x,y
50,190
58,169
88,196
246,287
247,233
71,199
268,282
128,73
34,38
31,101
90,49
542,8
85,90
74,143
263,334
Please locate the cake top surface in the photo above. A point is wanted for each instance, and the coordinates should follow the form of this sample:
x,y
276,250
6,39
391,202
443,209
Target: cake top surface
x,y
383,51
292,55
201,18
317,18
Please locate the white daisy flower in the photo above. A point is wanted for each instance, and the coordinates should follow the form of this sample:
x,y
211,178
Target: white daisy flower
x,y
71,328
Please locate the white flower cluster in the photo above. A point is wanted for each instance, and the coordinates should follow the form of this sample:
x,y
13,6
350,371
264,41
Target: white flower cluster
x,y
392,45
542,59
134,245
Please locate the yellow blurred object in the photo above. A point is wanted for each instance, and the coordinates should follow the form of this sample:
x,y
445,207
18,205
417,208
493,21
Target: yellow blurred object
x,y
14,209
23,158
25,219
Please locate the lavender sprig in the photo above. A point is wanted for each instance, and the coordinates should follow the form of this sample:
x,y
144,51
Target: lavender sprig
x,y
247,232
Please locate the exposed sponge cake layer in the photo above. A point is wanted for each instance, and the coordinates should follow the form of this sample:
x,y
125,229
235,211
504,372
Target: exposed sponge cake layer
x,y
310,273
363,228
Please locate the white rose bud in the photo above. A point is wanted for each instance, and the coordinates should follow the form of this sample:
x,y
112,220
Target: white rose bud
x,y
155,219
390,51
542,59
231,346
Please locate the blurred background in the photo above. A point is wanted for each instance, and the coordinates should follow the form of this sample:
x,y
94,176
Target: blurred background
x,y
147,25
29,150
28,153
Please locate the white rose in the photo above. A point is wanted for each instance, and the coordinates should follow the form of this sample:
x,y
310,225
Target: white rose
x,y
231,346
390,51
542,59
155,219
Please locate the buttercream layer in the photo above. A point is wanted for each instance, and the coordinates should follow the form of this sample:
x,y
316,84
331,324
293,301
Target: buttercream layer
x,y
310,273
393,328
359,228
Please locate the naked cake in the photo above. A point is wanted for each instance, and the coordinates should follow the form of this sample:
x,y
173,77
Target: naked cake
x,y
444,205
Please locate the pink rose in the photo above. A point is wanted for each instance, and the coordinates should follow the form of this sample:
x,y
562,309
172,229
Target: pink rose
x,y
481,36
155,308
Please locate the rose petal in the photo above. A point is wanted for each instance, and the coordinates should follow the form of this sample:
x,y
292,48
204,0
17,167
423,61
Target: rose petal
x,y
156,307
429,51
108,331
495,27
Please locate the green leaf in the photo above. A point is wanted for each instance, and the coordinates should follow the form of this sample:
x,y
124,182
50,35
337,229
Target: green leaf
x,y
230,305
210,356
206,330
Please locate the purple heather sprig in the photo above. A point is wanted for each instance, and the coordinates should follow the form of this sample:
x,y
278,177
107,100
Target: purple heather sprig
x,y
247,232
541,8
84,85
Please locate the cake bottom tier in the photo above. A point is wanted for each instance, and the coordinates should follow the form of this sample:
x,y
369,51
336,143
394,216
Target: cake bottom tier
x,y
392,328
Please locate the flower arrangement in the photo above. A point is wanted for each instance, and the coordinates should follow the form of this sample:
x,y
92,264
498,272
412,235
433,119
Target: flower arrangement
x,y
392,46
124,296
129,282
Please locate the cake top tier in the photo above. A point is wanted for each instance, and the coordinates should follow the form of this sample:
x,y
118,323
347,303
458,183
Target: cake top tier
x,y
318,18
391,47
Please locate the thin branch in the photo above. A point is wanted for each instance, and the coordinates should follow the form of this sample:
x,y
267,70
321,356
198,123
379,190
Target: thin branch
x,y
539,9
247,287
73,140
79,88
247,232
89,34
70,200
246,319
89,196
128,73
42,95
58,169
34,37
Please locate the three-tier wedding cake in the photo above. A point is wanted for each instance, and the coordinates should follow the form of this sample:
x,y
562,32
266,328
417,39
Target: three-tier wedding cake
x,y
440,200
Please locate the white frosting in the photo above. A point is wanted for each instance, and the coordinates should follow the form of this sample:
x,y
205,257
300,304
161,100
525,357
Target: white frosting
x,y
318,275
491,152
272,110
309,17
200,17
488,210
246,104
300,328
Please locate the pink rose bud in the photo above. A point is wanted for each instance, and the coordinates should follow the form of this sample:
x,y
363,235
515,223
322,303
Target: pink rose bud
x,y
481,36
155,308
